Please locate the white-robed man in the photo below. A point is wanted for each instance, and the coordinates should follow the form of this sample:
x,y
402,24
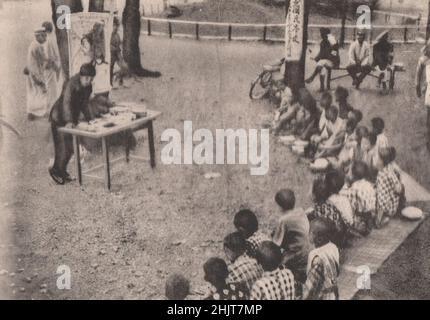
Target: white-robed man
x,y
37,98
53,67
424,65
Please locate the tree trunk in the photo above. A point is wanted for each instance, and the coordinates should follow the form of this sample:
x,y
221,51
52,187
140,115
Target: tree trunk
x,y
96,6
344,14
295,71
428,24
131,24
63,45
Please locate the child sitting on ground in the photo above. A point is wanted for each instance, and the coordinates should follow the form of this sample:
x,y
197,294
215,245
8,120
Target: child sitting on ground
x,y
246,223
345,108
378,127
362,146
216,273
323,208
346,154
323,263
292,234
287,111
335,183
362,197
389,189
243,269
177,287
277,283
329,142
325,103
371,156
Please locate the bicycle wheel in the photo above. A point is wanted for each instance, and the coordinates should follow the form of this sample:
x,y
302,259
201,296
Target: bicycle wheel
x,y
260,86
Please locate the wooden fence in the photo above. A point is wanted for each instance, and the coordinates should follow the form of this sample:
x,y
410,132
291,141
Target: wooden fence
x,y
408,33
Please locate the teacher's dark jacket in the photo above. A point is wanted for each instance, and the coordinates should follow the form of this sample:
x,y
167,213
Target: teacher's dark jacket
x,y
72,102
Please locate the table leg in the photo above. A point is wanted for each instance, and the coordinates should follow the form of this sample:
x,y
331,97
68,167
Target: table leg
x,y
151,143
77,159
105,148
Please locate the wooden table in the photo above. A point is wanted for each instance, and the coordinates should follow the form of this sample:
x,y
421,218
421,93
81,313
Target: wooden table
x,y
103,135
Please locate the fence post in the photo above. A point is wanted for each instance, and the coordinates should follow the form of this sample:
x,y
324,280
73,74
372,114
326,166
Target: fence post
x,y
342,30
265,33
229,32
197,31
149,27
170,30
405,35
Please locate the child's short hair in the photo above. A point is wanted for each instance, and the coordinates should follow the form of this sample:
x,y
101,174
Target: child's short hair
x,y
333,111
246,221
358,115
341,93
327,97
48,26
362,132
322,230
373,137
236,243
351,124
360,170
177,287
286,199
320,191
378,125
393,154
335,181
216,268
387,155
269,256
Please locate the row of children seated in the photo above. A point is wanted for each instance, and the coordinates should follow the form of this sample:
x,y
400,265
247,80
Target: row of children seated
x,y
331,132
258,267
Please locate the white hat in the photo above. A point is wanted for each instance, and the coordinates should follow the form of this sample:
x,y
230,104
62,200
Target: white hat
x,y
39,31
382,35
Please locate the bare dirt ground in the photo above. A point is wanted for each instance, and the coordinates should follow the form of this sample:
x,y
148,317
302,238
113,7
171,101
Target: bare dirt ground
x,y
123,245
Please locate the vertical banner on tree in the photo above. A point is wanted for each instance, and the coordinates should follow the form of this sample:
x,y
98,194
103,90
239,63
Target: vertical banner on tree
x,y
294,30
89,42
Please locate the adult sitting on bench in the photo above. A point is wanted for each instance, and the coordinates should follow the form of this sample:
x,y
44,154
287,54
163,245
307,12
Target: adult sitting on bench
x,y
327,58
359,59
383,57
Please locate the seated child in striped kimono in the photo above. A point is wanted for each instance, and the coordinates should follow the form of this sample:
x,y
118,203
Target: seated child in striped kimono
x,y
243,269
323,208
277,282
246,224
362,197
323,263
389,189
216,274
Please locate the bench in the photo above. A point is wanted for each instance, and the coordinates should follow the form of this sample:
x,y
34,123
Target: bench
x,y
398,67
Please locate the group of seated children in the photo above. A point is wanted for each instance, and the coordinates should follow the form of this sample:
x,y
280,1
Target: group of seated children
x,y
299,261
360,191
331,132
